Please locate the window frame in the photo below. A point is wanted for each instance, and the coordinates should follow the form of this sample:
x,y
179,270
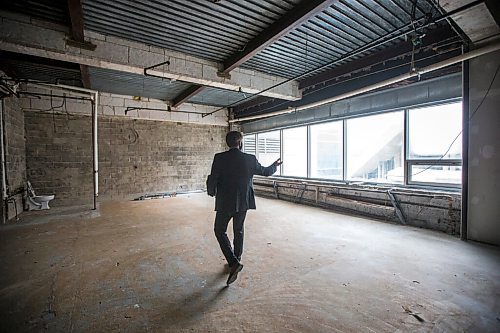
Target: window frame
x,y
409,162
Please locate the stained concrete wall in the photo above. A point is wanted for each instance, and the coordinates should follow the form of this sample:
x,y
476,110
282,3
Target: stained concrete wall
x,y
136,155
484,150
427,209
14,154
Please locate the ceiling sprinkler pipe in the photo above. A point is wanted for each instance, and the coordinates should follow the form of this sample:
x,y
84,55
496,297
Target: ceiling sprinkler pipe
x,y
90,91
417,72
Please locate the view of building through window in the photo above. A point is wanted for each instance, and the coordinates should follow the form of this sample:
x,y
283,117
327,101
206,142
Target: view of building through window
x,y
327,150
295,152
438,174
432,130
268,147
375,147
249,144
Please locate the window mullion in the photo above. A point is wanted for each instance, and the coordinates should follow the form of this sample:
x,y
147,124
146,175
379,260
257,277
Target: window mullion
x,y
344,149
405,148
308,152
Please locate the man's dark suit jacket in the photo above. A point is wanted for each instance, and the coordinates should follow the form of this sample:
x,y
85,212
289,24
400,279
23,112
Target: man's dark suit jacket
x,y
231,180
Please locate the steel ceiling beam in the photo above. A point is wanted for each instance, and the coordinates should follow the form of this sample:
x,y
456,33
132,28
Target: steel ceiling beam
x,y
278,29
294,18
186,94
77,26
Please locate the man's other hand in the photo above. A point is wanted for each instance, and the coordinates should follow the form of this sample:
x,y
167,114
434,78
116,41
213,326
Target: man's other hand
x,y
278,162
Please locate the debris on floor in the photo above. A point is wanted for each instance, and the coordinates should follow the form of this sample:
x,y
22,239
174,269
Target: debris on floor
x,y
412,313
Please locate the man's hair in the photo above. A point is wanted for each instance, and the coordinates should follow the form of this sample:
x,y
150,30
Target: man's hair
x,y
233,139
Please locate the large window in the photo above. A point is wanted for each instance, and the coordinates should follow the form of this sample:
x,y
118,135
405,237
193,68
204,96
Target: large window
x,y
419,146
435,144
375,148
295,152
327,150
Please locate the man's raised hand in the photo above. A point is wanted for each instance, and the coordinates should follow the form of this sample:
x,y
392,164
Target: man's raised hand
x,y
278,162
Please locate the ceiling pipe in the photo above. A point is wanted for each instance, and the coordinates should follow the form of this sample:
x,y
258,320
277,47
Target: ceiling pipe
x,y
63,86
59,88
413,73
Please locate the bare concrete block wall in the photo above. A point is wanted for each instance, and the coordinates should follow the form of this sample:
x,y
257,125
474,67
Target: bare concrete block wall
x,y
135,156
139,152
15,155
426,209
142,156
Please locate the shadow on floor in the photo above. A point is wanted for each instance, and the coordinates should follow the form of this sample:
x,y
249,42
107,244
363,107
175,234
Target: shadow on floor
x,y
194,305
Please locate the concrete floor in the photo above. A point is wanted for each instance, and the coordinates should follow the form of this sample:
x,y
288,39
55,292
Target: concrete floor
x,y
155,266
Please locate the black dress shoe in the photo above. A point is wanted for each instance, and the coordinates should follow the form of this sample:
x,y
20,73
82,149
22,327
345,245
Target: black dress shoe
x,y
234,273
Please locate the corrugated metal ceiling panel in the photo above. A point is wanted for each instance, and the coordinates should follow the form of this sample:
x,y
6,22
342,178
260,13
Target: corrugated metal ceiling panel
x,y
49,10
134,84
41,72
342,28
216,30
217,97
199,27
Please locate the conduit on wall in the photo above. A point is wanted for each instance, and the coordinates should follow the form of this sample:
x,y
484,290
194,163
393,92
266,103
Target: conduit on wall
x,y
414,73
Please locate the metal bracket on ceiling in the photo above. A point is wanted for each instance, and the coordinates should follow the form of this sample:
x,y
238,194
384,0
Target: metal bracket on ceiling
x,y
80,45
224,75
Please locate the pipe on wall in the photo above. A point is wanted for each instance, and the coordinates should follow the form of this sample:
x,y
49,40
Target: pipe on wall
x,y
4,182
95,148
399,78
465,150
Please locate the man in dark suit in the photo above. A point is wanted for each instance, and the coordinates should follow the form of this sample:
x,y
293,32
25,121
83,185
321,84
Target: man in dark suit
x,y
230,182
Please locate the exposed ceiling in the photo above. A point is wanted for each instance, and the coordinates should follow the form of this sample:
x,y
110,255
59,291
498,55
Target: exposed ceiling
x,y
318,43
